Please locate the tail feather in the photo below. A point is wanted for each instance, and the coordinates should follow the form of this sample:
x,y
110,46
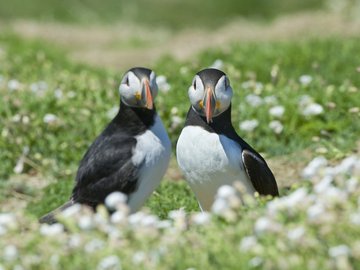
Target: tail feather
x,y
50,218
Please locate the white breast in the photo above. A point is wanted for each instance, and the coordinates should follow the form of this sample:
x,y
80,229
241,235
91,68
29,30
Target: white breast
x,y
152,154
208,161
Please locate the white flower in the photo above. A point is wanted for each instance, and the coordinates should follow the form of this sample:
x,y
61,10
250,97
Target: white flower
x,y
314,165
71,211
296,233
51,230
177,214
94,245
254,100
10,253
115,199
162,83
174,110
164,224
13,85
315,211
312,109
218,64
118,217
176,121
271,100
296,197
276,126
85,222
58,93
220,206
264,224
248,243
135,219
201,218
225,192
277,111
347,164
249,125
50,118
305,79
109,263
341,250
149,221
138,257
324,184
39,87
7,219
111,113
305,100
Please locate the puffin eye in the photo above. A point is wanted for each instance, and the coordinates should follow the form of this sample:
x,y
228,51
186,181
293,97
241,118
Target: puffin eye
x,y
194,84
227,83
127,80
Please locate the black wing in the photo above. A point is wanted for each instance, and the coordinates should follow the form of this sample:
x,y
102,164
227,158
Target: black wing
x,y
260,174
106,167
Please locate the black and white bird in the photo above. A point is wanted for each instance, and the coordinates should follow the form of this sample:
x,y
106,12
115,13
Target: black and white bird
x,y
131,155
209,151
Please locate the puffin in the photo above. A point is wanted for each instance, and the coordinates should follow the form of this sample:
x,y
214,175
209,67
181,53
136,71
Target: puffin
x,y
132,153
209,152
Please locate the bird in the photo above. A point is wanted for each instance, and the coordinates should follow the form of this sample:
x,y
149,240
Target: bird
x,y
209,152
132,153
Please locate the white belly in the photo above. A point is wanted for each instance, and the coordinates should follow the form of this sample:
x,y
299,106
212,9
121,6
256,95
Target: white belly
x,y
208,161
152,154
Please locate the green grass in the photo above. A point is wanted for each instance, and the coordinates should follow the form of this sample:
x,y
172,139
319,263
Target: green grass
x,y
203,14
89,93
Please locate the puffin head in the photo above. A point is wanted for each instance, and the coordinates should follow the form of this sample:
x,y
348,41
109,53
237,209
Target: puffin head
x,y
210,93
138,88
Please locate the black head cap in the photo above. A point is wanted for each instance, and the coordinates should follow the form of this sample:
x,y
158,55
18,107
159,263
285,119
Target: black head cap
x,y
210,75
141,72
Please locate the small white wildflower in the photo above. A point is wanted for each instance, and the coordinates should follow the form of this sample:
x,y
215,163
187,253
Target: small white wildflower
x,y
259,87
295,197
115,199
174,110
220,206
249,125
176,121
315,211
201,218
135,219
305,79
13,85
19,167
277,111
355,219
118,217
164,224
218,64
324,184
256,261
276,126
312,109
305,100
271,100
149,221
347,164
139,257
85,222
296,233
7,219
341,250
39,87
264,224
58,93
94,245
312,168
71,211
162,83
254,100
111,113
50,118
177,214
74,241
225,192
51,230
248,243
10,253
109,263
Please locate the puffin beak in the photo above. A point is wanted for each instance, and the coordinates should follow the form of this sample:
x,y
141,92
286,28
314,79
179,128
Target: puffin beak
x,y
149,99
209,103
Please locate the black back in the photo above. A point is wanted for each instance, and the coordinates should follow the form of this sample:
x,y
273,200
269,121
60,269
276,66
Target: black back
x,y
210,75
107,166
141,72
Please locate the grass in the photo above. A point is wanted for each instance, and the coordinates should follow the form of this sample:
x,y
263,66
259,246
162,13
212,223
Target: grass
x,y
156,13
37,79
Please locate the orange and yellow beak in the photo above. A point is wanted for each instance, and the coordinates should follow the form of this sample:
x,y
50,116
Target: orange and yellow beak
x,y
210,103
149,99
